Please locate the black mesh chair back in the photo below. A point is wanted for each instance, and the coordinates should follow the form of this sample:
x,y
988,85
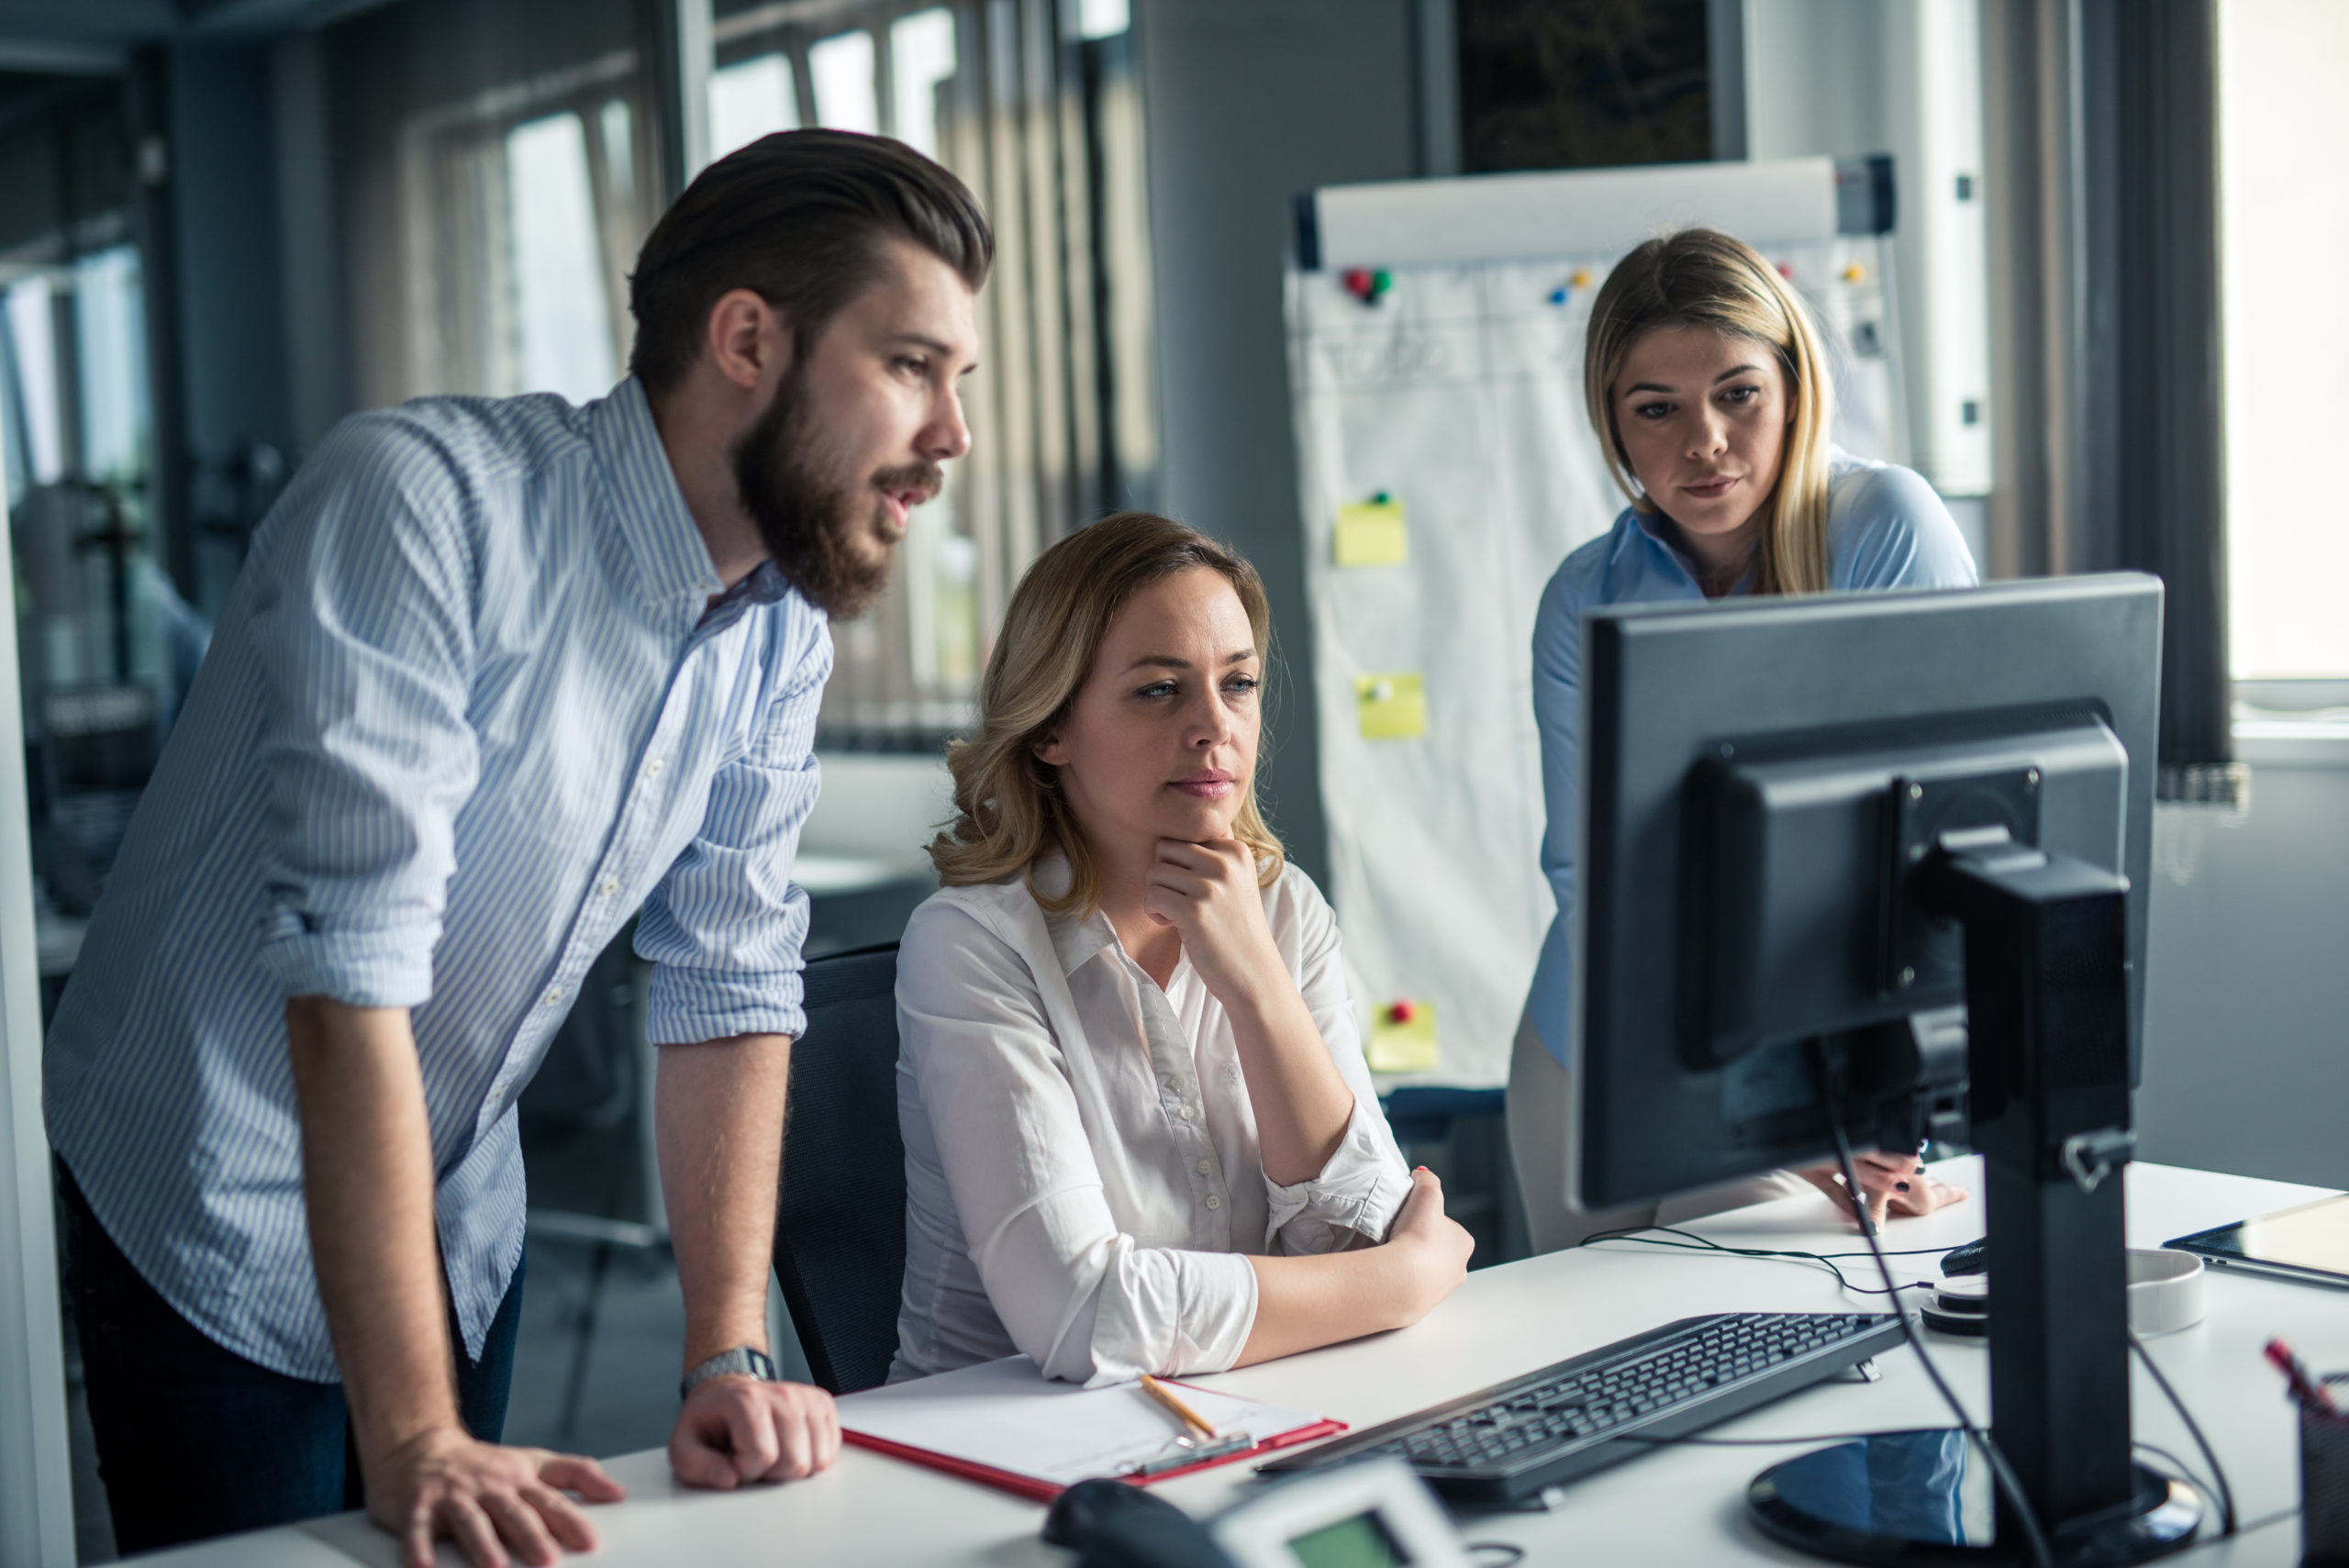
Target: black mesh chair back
x,y
839,1240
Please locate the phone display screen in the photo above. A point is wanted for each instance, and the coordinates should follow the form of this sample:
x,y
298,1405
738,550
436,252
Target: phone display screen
x,y
1361,1541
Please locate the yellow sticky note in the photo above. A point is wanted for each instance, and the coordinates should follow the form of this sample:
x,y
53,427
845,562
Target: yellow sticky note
x,y
1402,1037
1371,533
1392,707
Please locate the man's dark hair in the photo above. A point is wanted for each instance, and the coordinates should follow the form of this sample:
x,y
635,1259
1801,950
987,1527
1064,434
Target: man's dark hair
x,y
802,217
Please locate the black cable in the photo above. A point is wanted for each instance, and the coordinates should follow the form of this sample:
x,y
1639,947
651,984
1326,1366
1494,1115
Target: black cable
x,y
2193,1430
2009,1484
1692,1242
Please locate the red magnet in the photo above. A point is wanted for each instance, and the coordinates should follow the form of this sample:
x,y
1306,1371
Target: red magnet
x,y
1357,282
1401,1013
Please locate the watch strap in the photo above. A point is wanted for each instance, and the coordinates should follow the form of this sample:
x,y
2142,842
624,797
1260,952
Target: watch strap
x,y
740,1361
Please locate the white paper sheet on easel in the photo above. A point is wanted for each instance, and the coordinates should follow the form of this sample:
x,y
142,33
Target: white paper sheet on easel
x,y
1007,1414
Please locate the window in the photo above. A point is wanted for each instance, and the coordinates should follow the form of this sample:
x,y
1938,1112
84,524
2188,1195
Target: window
x,y
489,254
2283,74
847,97
530,198
563,318
1046,127
494,169
750,99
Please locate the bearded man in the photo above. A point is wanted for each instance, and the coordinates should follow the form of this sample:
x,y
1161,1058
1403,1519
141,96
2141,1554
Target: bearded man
x,y
497,673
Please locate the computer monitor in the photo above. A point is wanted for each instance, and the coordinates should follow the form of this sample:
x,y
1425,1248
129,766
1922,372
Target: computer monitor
x,y
1880,859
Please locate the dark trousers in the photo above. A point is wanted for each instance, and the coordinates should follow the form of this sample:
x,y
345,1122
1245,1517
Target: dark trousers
x,y
195,1441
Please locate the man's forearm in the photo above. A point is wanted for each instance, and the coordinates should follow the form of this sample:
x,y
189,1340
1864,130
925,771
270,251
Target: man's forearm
x,y
719,1120
367,1174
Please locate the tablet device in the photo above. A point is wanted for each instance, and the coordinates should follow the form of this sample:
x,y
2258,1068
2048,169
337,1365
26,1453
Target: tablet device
x,y
2309,1243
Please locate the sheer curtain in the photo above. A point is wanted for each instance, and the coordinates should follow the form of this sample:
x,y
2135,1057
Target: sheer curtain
x,y
1037,108
498,185
494,177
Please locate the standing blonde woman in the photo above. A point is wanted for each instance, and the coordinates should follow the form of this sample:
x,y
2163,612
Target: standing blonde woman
x,y
1139,1135
1707,385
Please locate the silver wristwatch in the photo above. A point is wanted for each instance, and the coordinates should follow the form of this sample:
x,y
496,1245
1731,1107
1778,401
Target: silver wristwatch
x,y
740,1361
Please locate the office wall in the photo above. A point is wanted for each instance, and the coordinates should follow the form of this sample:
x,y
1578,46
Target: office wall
x,y
223,156
2247,985
1250,102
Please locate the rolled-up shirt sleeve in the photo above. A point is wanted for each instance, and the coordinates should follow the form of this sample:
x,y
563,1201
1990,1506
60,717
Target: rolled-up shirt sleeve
x,y
1084,1301
1354,1199
363,615
725,925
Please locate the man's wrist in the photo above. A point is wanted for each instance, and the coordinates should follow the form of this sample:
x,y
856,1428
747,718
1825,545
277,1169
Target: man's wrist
x,y
742,1360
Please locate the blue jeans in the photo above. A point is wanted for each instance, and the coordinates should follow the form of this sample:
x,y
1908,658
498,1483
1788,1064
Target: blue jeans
x,y
195,1441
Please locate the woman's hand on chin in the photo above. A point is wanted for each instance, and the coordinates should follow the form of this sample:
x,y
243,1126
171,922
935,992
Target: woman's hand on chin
x,y
1208,893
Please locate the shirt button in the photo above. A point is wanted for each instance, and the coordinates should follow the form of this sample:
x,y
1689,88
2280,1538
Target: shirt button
x,y
1206,1167
554,996
653,768
611,886
1175,1082
1185,1113
1214,1202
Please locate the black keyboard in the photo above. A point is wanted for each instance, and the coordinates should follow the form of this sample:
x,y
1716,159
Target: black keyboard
x,y
1517,1440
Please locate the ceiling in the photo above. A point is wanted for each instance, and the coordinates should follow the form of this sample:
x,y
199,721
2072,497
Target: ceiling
x,y
95,36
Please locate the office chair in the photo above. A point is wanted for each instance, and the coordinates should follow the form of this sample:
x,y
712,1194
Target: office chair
x,y
840,1239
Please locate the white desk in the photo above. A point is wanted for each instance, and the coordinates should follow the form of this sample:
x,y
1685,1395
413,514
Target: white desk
x,y
1676,1505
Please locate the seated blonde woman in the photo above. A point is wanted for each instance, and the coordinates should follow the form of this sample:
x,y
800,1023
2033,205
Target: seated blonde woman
x,y
1139,1136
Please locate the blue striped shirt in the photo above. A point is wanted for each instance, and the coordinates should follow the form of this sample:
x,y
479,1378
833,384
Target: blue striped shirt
x,y
469,705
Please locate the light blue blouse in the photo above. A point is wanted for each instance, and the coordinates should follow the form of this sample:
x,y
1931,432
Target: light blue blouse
x,y
1886,528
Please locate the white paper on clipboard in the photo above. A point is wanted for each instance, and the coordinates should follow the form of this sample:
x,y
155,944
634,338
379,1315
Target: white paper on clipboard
x,y
1008,1415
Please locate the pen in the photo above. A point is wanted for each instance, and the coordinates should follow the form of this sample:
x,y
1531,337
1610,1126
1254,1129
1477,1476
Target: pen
x,y
1182,1412
2311,1393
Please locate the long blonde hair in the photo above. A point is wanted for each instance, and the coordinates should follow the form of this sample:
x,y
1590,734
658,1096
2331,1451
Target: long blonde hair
x,y
1010,813
1701,277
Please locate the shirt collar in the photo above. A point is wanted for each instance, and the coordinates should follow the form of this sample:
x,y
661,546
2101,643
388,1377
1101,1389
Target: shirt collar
x,y
764,586
1681,571
671,558
1076,939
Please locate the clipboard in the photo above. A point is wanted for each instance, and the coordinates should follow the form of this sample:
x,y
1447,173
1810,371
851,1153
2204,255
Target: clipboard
x,y
972,1422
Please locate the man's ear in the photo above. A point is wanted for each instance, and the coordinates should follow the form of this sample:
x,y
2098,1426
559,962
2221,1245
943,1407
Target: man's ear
x,y
746,337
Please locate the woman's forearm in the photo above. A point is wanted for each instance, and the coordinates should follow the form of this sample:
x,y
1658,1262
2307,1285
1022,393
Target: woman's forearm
x,y
1303,1304
1301,1103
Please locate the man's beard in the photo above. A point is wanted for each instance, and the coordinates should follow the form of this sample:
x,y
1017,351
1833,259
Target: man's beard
x,y
829,537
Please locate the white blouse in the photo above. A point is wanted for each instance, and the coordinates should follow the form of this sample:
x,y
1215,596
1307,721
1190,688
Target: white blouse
x,y
1082,1171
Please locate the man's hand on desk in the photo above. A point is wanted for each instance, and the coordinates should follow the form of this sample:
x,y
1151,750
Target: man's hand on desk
x,y
736,1430
1894,1184
490,1500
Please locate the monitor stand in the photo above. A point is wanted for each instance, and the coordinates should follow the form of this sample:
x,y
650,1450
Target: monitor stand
x,y
2047,1004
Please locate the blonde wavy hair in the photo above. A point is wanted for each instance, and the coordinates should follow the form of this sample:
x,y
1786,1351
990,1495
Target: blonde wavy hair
x,y
1009,813
1701,277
